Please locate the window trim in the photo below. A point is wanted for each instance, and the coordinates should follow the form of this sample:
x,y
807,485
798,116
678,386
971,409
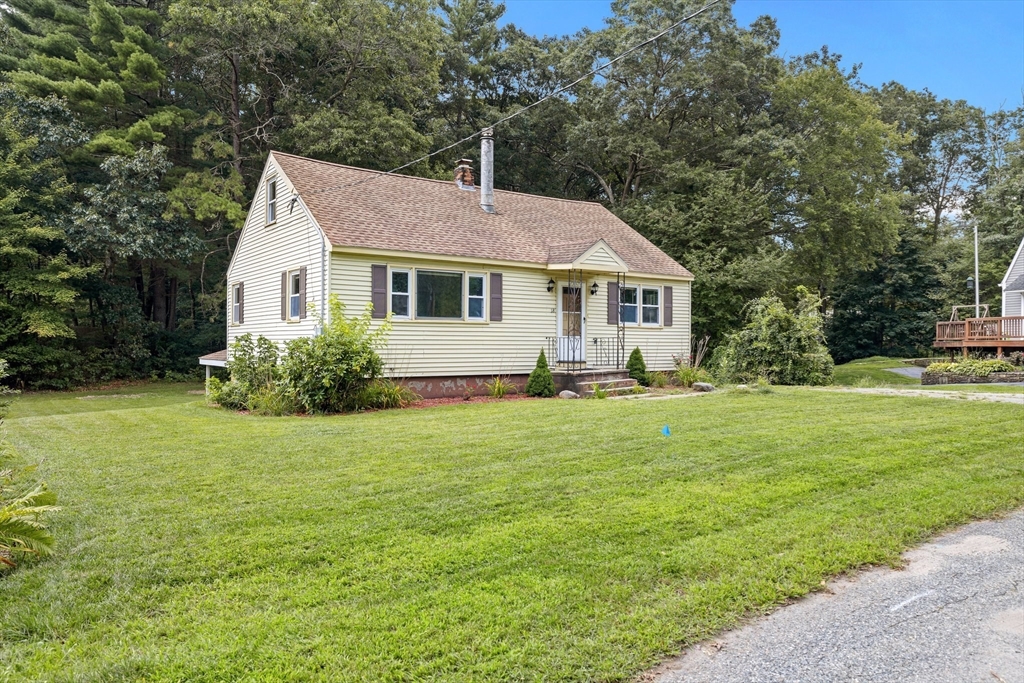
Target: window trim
x,y
271,203
295,275
642,305
482,297
635,288
236,303
408,293
462,304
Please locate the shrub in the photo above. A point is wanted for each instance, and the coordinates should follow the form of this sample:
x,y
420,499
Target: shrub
x,y
970,367
23,507
271,400
784,346
763,386
541,383
329,373
1017,358
384,393
599,392
658,380
6,393
499,387
253,371
637,367
686,377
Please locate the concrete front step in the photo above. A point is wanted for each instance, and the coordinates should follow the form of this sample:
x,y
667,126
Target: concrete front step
x,y
613,387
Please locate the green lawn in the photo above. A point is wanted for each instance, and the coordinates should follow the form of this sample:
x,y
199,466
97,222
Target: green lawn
x,y
529,540
872,371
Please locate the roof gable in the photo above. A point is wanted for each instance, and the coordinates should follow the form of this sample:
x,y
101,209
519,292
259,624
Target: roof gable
x,y
357,208
597,256
1013,264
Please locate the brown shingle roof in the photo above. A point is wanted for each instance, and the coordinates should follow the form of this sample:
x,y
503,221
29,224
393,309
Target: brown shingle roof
x,y
405,213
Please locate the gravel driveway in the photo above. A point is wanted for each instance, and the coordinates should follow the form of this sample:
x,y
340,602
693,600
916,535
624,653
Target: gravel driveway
x,y
954,614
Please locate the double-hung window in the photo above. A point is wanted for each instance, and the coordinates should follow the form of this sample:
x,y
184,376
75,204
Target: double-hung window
x,y
475,301
271,201
628,306
439,294
294,295
650,313
400,293
236,304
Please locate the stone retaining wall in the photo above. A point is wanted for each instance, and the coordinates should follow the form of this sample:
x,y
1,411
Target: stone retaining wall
x,y
949,378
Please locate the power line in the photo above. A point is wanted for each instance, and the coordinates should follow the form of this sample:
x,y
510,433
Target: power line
x,y
522,110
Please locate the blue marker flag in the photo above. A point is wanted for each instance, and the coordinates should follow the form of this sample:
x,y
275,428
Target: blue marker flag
x,y
666,431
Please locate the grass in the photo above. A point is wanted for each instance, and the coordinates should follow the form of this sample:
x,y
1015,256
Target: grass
x,y
871,371
528,540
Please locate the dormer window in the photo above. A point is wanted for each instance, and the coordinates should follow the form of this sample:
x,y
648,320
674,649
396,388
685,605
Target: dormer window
x,y
271,201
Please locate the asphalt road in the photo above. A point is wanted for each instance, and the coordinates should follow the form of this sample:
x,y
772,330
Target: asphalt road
x,y
954,613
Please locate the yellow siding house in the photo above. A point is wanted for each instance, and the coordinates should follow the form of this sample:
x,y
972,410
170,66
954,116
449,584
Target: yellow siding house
x,y
476,282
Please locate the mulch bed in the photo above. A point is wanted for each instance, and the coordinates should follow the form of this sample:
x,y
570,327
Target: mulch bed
x,y
452,400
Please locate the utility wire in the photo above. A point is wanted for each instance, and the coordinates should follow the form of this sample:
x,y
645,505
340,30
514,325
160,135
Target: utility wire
x,y
522,110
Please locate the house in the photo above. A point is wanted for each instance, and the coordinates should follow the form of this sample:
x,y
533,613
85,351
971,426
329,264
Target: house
x,y
1013,285
476,281
986,334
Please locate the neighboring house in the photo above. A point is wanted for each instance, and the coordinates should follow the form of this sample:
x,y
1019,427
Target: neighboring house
x,y
1013,285
476,281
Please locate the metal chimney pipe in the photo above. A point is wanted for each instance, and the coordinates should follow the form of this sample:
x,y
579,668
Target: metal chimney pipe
x,y
487,170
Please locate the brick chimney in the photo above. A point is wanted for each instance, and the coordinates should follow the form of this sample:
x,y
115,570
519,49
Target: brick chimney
x,y
464,175
487,170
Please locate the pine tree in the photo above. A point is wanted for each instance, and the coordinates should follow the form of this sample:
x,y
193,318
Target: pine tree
x,y
541,383
637,367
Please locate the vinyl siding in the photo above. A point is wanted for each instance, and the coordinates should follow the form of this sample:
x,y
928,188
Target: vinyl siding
x,y
657,343
430,348
263,252
1013,303
600,259
1012,300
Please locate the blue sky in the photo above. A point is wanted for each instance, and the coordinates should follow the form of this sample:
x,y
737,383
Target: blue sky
x,y
972,50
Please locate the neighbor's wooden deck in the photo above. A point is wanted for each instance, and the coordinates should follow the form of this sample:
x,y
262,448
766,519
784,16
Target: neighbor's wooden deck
x,y
998,333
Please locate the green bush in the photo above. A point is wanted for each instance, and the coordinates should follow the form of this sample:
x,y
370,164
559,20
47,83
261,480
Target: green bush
x,y
599,391
271,400
254,376
637,367
686,377
499,387
658,380
384,393
6,393
781,345
541,383
971,367
23,506
329,373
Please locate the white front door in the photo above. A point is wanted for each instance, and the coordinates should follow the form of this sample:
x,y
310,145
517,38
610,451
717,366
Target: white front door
x,y
572,324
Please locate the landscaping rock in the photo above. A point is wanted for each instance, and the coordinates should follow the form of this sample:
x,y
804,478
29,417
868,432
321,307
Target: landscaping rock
x,y
742,386
703,386
568,394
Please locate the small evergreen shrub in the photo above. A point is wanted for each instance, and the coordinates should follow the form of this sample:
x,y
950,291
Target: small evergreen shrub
x,y
541,383
971,367
637,367
499,387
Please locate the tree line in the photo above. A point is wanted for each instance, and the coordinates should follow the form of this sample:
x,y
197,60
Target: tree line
x,y
132,134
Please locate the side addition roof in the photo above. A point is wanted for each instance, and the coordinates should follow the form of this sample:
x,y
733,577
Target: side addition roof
x,y
419,215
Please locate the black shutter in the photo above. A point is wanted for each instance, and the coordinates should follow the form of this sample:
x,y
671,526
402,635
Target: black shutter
x,y
496,297
613,303
379,285
241,303
302,292
284,295
668,306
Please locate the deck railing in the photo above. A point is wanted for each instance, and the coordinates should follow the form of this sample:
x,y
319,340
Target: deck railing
x,y
600,352
981,329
